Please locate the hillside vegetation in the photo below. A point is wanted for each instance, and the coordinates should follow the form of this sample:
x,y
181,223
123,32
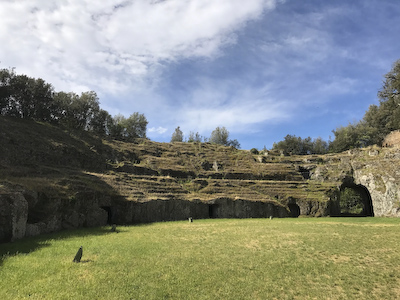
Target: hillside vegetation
x,y
46,158
51,179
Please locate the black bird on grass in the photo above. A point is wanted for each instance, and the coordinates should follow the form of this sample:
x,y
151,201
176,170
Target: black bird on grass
x,y
78,255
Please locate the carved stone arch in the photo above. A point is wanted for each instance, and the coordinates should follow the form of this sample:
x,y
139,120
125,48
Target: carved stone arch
x,y
366,200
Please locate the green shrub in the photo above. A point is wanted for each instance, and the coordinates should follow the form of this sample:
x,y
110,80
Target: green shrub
x,y
254,151
350,201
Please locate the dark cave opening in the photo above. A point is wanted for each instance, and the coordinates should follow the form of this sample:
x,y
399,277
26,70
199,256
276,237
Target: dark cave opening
x,y
294,210
109,214
304,172
355,201
212,211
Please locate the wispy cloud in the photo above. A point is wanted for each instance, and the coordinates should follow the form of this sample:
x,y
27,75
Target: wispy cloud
x,y
82,44
198,64
158,130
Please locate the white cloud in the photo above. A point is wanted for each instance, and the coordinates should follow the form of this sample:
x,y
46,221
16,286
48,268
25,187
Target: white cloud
x,y
82,44
200,64
232,104
159,130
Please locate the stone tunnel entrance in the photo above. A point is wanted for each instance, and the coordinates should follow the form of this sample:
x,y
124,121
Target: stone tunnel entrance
x,y
109,214
213,211
355,201
294,210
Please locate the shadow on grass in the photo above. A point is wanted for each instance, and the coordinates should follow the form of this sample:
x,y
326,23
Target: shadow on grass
x,y
31,244
21,247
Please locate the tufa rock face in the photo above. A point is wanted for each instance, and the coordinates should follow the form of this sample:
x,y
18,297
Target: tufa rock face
x,y
13,216
18,219
384,191
174,209
392,139
375,170
380,174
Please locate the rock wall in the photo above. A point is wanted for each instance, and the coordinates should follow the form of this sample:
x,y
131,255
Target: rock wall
x,y
392,139
21,217
175,209
158,210
28,213
25,213
384,191
379,171
376,169
228,208
312,208
13,216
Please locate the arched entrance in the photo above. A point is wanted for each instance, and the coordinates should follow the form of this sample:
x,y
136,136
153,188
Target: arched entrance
x,y
109,214
213,211
294,210
355,200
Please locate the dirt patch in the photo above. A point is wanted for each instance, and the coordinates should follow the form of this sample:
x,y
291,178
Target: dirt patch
x,y
340,258
253,245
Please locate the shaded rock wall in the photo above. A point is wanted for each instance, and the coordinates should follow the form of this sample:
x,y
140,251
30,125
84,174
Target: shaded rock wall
x,y
228,208
13,216
158,210
25,213
175,209
93,209
313,208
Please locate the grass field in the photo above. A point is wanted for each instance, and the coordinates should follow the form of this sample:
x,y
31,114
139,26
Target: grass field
x,y
305,258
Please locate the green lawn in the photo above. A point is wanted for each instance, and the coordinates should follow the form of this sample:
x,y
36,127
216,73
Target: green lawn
x,y
305,258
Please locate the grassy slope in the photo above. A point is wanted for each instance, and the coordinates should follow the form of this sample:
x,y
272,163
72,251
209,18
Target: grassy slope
x,y
333,258
47,159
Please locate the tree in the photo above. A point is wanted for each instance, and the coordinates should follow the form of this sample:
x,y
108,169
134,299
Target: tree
x,y
102,122
88,109
116,128
64,113
177,136
391,86
345,138
234,143
386,117
128,128
6,76
356,135
298,146
378,121
78,112
43,101
25,97
220,136
319,146
254,151
135,126
195,138
350,201
290,145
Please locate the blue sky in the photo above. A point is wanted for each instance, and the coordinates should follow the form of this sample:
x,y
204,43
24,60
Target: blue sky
x,y
261,68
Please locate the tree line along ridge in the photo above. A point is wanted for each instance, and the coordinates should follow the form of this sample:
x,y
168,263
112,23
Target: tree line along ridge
x,y
33,98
